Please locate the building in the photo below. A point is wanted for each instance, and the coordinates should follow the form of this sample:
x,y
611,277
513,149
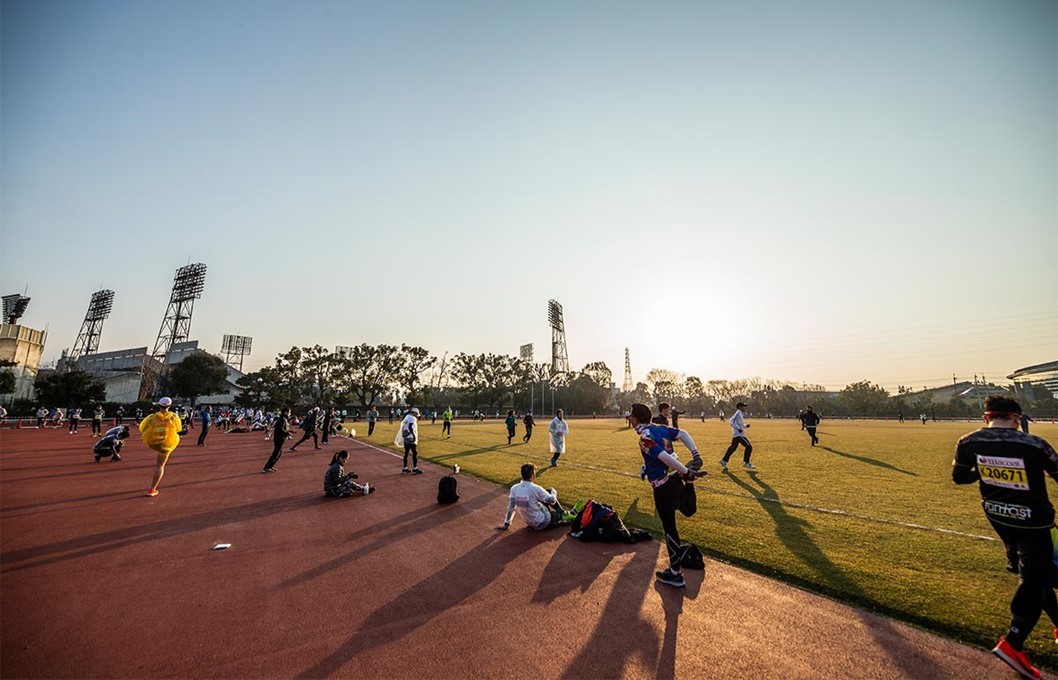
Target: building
x,y
1030,380
23,346
121,370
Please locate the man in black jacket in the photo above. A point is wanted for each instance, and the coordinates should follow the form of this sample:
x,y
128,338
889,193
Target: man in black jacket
x,y
1012,469
280,433
309,425
528,421
809,420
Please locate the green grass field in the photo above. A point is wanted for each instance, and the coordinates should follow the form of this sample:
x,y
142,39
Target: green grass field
x,y
832,519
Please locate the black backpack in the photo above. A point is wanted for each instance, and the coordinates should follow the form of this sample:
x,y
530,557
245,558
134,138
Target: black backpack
x,y
446,490
692,557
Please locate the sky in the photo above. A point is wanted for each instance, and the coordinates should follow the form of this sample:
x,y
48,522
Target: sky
x,y
820,191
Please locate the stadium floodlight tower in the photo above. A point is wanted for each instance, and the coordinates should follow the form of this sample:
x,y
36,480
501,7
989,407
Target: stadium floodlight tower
x,y
559,357
92,327
627,386
14,307
525,353
235,348
188,284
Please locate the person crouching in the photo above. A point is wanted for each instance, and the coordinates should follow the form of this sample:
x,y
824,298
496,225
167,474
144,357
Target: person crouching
x,y
337,484
111,444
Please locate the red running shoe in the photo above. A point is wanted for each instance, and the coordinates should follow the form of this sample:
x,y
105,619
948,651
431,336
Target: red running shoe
x,y
154,492
1016,659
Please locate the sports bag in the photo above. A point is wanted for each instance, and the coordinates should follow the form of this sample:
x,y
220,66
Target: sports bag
x,y
692,557
688,500
446,490
599,522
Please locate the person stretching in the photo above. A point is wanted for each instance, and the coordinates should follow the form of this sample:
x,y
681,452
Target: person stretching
x,y
538,507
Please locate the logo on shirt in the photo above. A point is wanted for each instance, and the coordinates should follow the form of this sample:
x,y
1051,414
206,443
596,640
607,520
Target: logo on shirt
x,y
1008,510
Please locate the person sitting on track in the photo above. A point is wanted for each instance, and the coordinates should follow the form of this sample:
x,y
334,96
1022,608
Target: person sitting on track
x,y
538,507
337,484
111,443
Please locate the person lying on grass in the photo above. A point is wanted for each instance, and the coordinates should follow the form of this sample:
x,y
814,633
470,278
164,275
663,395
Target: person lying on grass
x,y
337,484
538,507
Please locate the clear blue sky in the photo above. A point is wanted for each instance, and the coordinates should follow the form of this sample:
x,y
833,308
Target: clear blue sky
x,y
818,191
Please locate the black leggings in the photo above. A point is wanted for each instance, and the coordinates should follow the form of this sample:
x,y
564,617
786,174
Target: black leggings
x,y
414,451
202,435
97,426
309,433
667,498
812,433
1039,577
735,441
370,428
277,452
446,427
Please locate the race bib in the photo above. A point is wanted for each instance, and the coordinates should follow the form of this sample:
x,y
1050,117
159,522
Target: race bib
x,y
1008,473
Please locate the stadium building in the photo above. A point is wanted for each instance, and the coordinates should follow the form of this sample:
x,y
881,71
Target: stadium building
x,y
121,371
22,346
1029,381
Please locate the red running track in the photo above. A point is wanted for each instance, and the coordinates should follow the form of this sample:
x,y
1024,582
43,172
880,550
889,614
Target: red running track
x,y
99,581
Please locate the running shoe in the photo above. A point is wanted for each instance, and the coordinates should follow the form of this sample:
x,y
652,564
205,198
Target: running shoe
x,y
1016,659
152,492
723,463
674,579
404,471
416,471
750,466
368,489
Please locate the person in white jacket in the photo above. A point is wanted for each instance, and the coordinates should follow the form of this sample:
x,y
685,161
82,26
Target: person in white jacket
x,y
538,507
738,436
558,429
408,435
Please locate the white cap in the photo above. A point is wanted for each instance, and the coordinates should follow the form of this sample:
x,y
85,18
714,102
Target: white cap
x,y
165,401
415,411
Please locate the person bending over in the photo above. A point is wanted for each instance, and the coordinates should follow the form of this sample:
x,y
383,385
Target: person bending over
x,y
538,507
111,444
338,484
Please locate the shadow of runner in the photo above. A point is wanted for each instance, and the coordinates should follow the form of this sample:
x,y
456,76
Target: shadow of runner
x,y
414,522
791,531
424,601
118,538
869,461
574,566
621,632
672,604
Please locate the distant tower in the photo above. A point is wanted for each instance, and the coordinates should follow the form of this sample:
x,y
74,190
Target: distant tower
x,y
176,326
92,327
235,348
559,357
627,387
14,307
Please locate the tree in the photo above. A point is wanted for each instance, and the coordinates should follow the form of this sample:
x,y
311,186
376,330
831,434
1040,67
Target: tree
x,y
371,371
72,388
7,378
414,362
198,375
864,399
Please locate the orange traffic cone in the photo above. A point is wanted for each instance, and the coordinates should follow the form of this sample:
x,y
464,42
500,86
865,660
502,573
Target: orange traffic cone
x,y
19,425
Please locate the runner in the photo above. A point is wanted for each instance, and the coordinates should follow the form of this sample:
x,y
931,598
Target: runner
x,y
809,420
529,422
512,424
446,422
309,426
668,477
738,436
558,429
1010,467
372,417
97,421
160,432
